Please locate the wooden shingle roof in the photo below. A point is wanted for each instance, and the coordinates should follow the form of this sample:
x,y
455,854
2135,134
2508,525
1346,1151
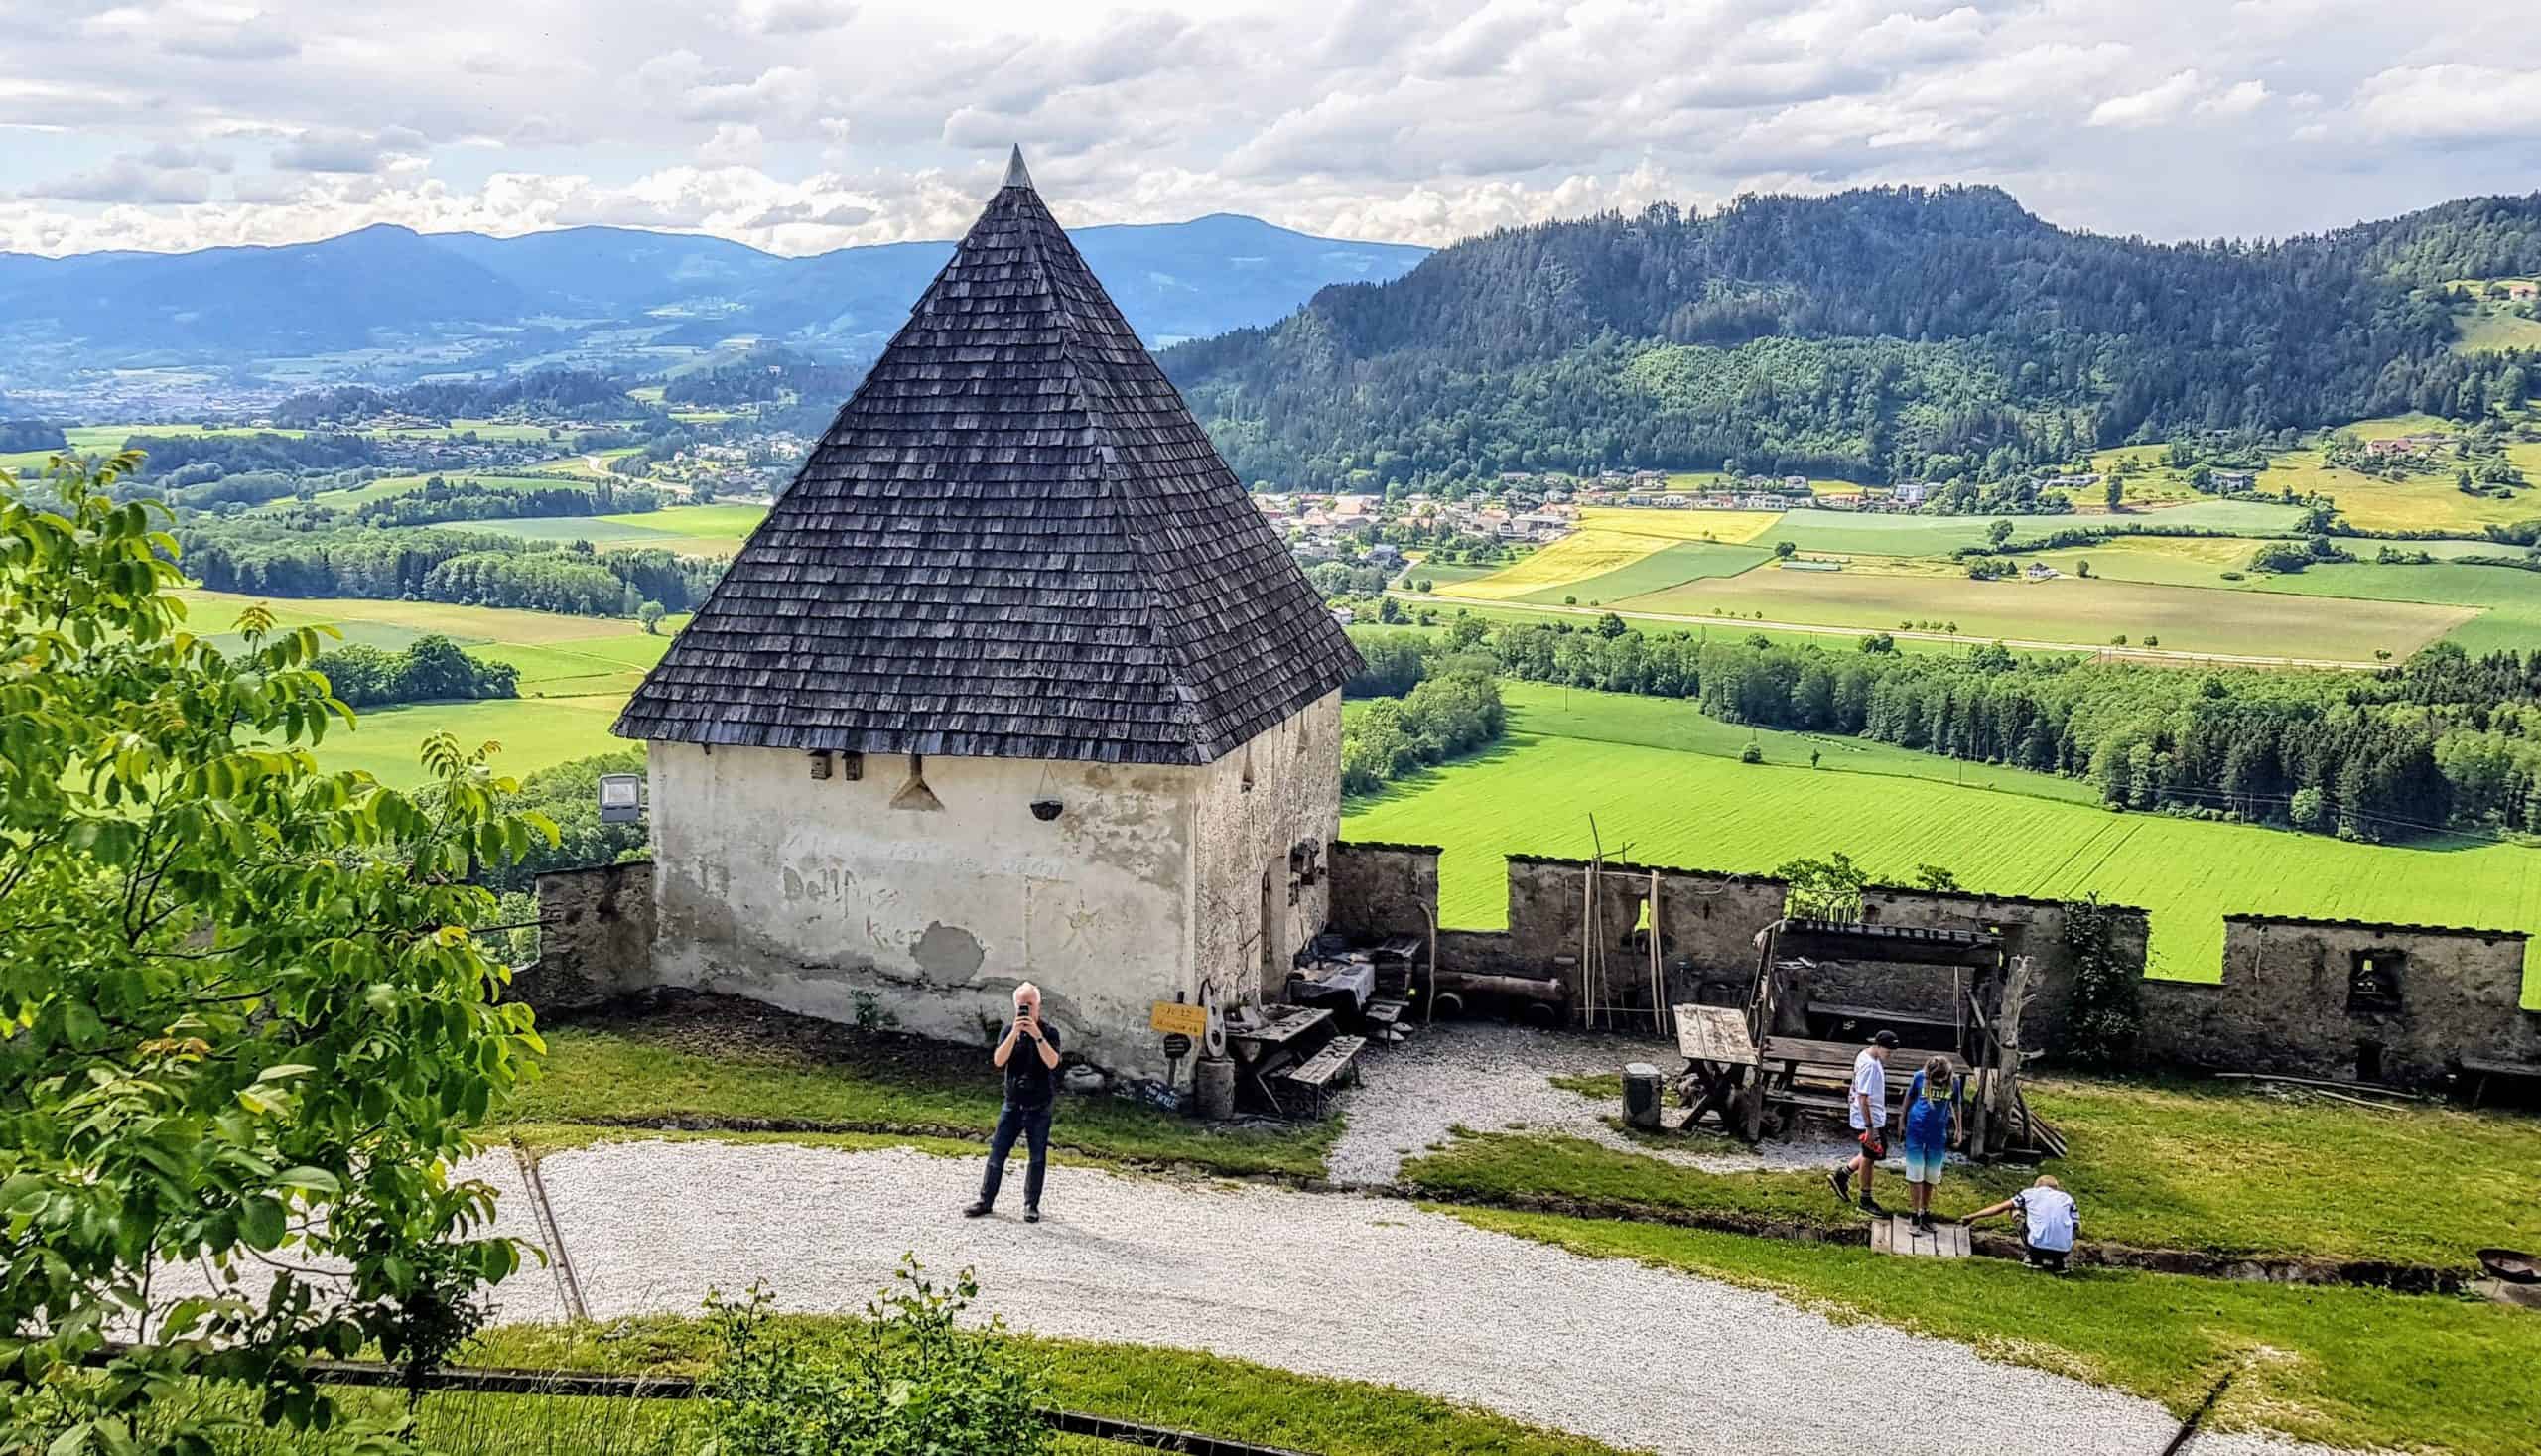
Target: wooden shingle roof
x,y
1014,542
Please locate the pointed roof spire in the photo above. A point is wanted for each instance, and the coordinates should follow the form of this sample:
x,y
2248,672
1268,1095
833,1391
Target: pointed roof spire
x,y
1016,176
1015,542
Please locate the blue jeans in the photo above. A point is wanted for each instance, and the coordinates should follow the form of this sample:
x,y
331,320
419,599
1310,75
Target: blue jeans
x,y
1033,1126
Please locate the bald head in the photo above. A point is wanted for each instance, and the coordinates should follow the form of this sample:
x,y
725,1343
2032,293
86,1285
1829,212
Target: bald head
x,y
1027,997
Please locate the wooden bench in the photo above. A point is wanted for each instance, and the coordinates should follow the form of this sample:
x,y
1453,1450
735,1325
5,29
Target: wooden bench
x,y
1384,1018
1312,1082
2484,1069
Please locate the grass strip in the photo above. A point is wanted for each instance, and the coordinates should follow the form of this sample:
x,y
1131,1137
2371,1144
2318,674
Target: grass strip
x,y
669,1070
2342,1367
2155,1165
1183,1389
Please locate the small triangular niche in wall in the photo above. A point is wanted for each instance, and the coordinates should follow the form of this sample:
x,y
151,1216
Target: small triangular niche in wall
x,y
915,794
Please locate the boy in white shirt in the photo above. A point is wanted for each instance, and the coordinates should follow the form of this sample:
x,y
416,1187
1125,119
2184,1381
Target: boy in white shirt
x,y
2049,1222
1866,1108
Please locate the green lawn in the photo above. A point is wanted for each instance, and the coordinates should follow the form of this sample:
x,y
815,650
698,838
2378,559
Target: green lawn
x,y
2201,1166
700,1064
2351,1368
1535,793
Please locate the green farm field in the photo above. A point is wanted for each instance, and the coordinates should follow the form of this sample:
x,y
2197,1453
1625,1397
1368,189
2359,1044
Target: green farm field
x,y
1671,566
2508,598
2074,610
1535,794
534,733
1582,616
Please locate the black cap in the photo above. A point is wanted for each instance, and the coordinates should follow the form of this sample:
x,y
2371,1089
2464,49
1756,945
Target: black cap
x,y
1885,1038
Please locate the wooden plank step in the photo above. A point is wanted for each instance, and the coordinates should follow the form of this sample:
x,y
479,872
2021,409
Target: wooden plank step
x,y
1385,1014
1319,1069
1896,1234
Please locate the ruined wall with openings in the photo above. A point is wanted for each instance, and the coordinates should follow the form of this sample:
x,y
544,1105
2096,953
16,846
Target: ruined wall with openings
x,y
2342,999
594,937
1381,889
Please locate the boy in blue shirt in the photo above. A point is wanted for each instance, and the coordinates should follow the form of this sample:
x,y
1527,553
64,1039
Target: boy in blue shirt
x,y
1932,1105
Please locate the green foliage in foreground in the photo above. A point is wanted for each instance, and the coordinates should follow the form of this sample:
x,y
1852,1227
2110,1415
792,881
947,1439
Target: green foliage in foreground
x,y
641,1072
2153,1166
906,1379
2354,1368
242,1026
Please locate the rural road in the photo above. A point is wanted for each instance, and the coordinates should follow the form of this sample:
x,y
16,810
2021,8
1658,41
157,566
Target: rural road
x,y
1331,1286
2026,644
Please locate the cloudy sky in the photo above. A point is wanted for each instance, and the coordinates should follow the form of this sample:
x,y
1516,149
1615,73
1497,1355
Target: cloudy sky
x,y
801,125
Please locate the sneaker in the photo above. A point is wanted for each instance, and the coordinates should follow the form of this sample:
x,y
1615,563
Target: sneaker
x,y
1841,1180
1922,1223
1031,1213
979,1209
1871,1207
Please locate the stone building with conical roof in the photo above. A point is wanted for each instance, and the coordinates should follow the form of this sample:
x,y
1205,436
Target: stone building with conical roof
x,y
1013,683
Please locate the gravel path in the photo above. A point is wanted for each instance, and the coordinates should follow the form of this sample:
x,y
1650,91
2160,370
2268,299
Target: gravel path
x,y
1327,1285
1489,1076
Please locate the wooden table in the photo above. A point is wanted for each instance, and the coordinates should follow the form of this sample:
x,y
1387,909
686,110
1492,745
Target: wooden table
x,y
1718,1055
1263,1049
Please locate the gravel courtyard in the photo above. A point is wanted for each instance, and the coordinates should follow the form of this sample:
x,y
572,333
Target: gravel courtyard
x,y
1325,1284
1489,1076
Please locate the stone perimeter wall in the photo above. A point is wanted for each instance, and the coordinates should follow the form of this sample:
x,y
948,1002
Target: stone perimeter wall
x,y
2282,1006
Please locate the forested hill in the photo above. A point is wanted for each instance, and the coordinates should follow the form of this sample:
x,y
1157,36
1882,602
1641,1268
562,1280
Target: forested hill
x,y
1890,333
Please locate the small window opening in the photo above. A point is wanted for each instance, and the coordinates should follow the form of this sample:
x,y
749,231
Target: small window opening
x,y
2373,981
2369,1061
1248,770
915,794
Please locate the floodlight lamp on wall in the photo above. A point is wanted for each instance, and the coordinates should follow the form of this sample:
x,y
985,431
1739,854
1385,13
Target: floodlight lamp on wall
x,y
621,798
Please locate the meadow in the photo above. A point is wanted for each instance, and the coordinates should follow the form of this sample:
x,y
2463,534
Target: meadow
x,y
1694,806
2508,598
688,530
2165,561
574,674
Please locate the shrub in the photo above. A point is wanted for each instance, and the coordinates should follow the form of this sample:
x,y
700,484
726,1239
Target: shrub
x,y
906,1379
1751,754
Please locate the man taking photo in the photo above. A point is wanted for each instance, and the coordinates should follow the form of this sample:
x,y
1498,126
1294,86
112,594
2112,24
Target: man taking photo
x,y
1029,1055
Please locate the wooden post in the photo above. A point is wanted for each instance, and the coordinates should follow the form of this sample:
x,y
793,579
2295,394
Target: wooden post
x,y
2007,1053
1658,976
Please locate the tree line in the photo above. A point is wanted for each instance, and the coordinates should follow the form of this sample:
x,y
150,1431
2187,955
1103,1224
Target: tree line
x,y
20,435
429,669
2445,741
438,501
554,394
274,557
1880,335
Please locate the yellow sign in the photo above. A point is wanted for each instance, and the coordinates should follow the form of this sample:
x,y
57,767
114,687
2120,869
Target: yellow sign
x,y
1180,1018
